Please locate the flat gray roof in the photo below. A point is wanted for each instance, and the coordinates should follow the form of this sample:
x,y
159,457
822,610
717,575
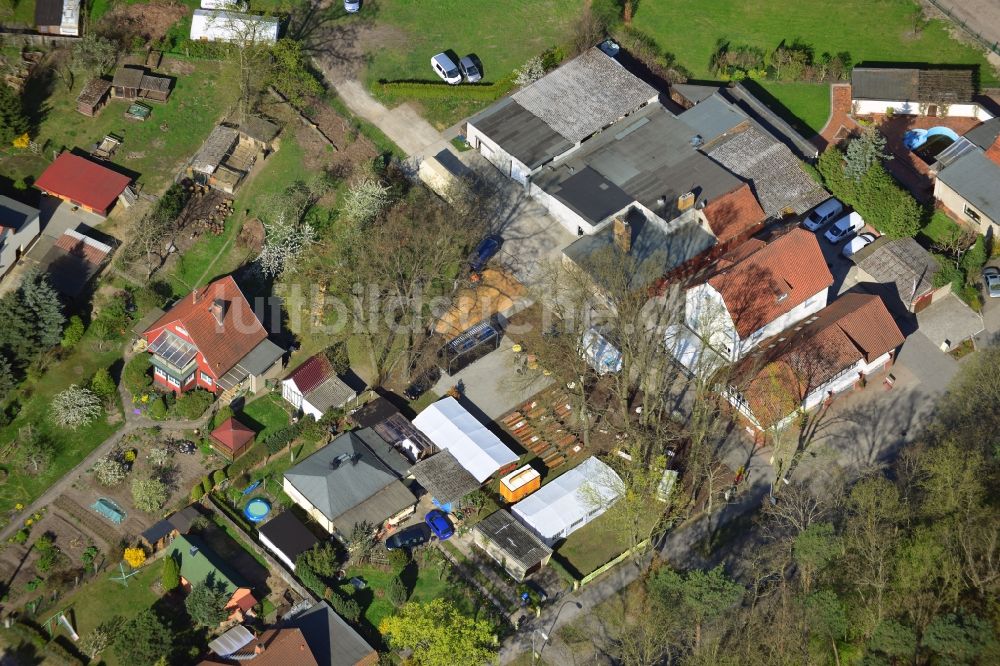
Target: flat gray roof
x,y
649,158
520,133
14,214
977,179
585,95
713,117
986,134
517,542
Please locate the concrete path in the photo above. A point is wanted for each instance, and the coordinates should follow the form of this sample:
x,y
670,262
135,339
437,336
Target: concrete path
x,y
403,124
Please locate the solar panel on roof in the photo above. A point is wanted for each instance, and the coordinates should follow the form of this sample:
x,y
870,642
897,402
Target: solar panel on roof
x,y
173,349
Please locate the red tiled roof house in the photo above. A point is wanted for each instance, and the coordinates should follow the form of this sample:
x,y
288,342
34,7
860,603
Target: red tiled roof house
x,y
83,183
232,438
835,350
757,290
212,339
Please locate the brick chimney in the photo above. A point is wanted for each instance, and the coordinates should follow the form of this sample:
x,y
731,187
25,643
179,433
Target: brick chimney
x,y
259,648
993,152
623,235
218,310
685,201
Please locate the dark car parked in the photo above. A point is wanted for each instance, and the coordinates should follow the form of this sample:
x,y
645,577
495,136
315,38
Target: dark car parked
x,y
423,383
486,250
411,537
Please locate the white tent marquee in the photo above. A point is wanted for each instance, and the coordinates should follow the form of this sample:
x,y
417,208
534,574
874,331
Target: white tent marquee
x,y
455,430
570,501
223,26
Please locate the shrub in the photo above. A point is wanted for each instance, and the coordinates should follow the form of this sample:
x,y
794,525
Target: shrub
x,y
73,334
170,577
398,559
430,90
193,404
136,376
110,472
949,273
218,476
396,592
197,493
103,385
974,259
207,485
149,494
346,608
135,557
158,409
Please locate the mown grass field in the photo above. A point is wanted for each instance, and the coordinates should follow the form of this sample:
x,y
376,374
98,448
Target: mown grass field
x,y
869,31
805,105
504,35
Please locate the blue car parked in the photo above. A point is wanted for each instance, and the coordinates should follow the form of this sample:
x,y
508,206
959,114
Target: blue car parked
x,y
439,524
486,250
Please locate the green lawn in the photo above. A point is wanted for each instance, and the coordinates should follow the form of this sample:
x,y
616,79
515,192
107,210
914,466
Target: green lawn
x,y
22,13
155,149
503,34
870,31
937,229
71,446
426,585
805,105
267,411
595,544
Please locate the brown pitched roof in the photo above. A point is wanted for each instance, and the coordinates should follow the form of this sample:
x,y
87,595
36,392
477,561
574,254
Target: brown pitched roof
x,y
223,345
772,280
232,434
274,647
93,252
787,367
734,214
313,372
993,152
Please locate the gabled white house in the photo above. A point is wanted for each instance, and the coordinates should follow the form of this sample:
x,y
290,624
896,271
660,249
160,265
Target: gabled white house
x,y
759,290
314,388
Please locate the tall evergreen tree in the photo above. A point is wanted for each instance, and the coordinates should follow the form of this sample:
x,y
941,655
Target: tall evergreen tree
x,y
42,301
13,121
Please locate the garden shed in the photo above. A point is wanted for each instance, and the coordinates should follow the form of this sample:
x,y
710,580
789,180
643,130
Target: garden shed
x,y
570,501
93,97
134,83
232,439
511,544
287,537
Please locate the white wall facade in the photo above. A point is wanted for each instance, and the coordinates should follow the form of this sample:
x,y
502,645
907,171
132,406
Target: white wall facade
x,y
562,213
15,243
307,506
267,543
961,208
865,107
706,315
808,307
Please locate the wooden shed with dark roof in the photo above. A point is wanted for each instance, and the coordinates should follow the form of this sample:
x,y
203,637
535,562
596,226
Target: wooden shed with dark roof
x,y
132,82
514,547
93,97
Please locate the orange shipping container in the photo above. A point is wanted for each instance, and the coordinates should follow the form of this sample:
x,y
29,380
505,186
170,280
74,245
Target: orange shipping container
x,y
520,483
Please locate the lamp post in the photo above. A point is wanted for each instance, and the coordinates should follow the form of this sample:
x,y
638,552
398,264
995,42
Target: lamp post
x,y
545,636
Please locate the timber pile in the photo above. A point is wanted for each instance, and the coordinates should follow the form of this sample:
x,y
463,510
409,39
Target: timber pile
x,y
206,210
541,426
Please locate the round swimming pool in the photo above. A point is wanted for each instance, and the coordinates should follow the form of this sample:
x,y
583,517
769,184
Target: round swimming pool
x,y
257,509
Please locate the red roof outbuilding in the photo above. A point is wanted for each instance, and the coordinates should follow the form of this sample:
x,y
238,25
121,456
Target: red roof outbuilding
x,y
313,372
233,435
82,182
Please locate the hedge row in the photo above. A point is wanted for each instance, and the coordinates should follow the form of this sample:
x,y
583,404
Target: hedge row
x,y
480,92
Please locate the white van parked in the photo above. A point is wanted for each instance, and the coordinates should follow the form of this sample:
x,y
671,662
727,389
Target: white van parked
x,y
822,214
845,227
446,69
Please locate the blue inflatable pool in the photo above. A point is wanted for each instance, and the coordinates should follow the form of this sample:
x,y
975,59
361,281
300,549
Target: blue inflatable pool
x,y
257,509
